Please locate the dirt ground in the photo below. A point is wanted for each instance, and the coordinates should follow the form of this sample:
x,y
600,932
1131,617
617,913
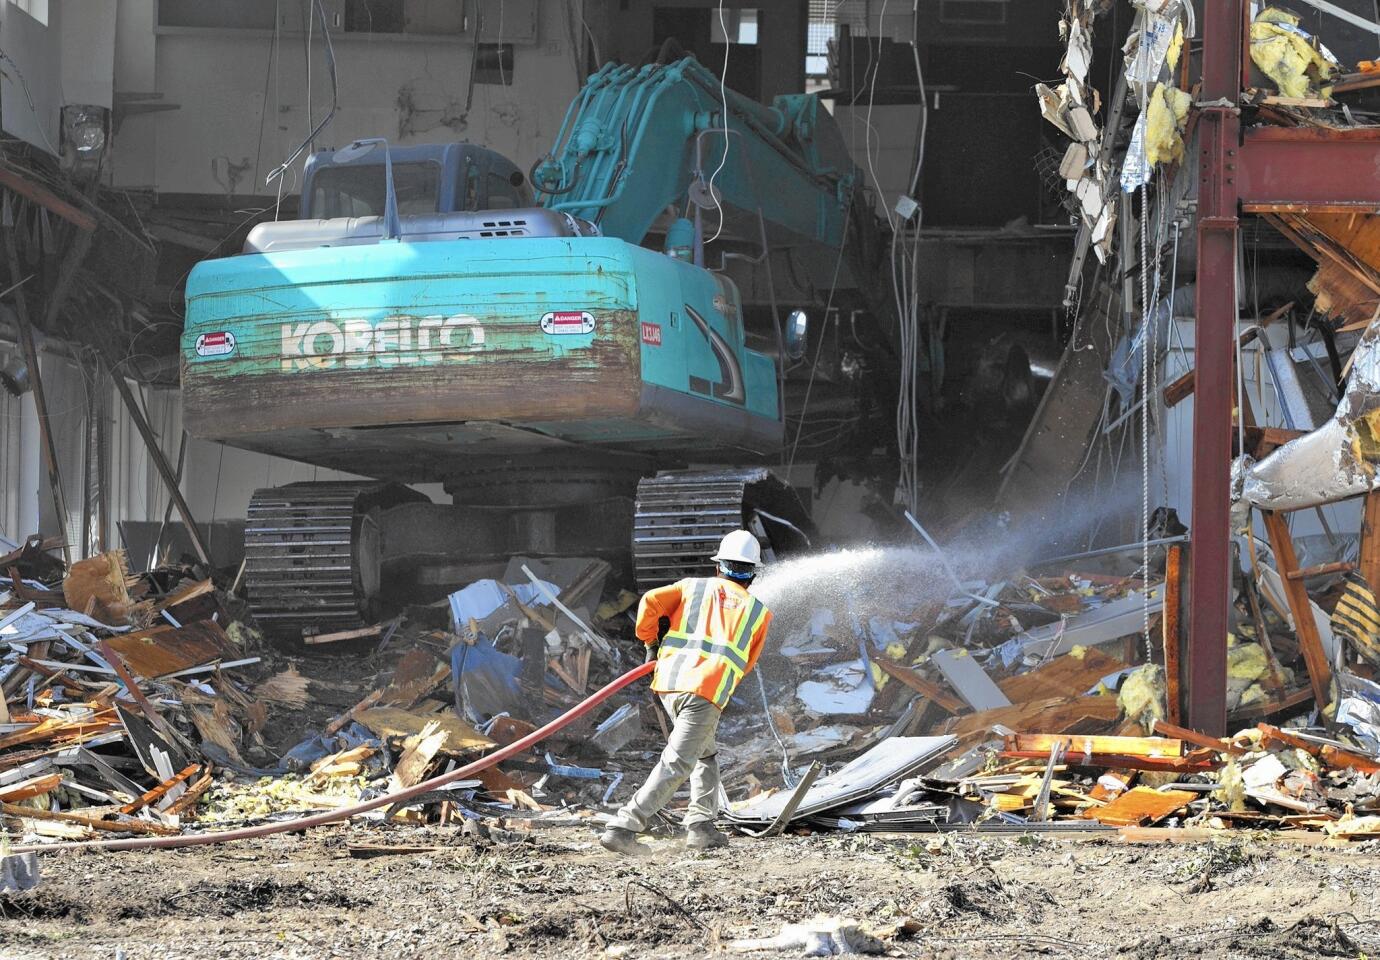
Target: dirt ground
x,y
559,895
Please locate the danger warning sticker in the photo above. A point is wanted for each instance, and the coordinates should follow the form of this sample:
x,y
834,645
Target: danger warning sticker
x,y
218,344
567,322
651,334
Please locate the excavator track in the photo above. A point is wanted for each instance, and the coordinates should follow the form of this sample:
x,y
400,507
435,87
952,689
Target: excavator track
x,y
682,515
312,555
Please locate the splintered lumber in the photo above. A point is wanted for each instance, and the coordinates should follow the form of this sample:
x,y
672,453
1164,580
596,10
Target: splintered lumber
x,y
188,800
1369,563
99,587
1265,708
159,791
288,688
33,787
51,729
460,738
121,826
1331,756
1066,676
416,675
418,752
1142,805
1154,754
189,591
929,690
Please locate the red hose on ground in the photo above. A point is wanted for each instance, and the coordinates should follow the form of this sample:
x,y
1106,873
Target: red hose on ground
x,y
321,819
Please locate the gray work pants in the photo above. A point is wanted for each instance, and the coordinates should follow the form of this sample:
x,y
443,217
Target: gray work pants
x,y
690,752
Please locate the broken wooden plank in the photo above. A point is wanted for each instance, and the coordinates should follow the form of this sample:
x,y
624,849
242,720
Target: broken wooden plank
x,y
1170,628
929,690
1057,715
1320,570
152,796
162,651
188,800
121,826
339,635
1064,676
1141,805
1042,743
1330,755
1305,627
45,198
418,752
361,851
33,787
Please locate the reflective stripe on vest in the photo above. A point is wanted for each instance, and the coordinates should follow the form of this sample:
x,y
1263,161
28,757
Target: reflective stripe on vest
x,y
686,648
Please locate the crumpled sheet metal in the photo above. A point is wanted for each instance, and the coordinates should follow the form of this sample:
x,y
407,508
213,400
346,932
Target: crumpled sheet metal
x,y
1334,462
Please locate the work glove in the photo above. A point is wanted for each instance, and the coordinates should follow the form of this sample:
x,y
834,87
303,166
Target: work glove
x,y
651,653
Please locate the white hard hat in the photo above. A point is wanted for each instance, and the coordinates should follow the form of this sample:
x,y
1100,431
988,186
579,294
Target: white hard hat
x,y
739,546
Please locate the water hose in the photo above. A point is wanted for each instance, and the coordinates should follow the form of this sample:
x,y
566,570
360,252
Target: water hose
x,y
345,813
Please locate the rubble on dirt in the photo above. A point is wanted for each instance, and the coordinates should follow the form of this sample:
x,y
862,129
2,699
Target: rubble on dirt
x,y
1029,702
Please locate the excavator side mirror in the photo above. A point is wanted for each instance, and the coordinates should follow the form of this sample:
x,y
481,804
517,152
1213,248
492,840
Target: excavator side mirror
x,y
797,330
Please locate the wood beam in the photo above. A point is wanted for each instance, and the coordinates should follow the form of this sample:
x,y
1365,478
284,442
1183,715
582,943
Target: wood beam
x,y
1305,627
45,198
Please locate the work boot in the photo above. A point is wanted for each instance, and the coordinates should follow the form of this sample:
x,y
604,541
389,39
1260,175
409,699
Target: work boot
x,y
704,836
619,840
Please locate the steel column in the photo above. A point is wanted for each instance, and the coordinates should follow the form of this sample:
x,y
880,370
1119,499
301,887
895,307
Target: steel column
x,y
1219,130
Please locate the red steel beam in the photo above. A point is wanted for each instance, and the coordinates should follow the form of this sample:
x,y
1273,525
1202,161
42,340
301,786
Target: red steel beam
x,y
1295,168
1219,129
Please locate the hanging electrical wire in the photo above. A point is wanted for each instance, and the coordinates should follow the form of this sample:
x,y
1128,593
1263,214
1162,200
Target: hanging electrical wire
x,y
723,97
278,171
905,283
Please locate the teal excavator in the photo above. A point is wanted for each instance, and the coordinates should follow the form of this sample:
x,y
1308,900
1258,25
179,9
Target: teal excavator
x,y
609,370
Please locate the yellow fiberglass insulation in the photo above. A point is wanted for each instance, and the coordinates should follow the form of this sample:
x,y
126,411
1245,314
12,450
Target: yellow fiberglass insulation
x,y
1142,693
1286,57
1165,117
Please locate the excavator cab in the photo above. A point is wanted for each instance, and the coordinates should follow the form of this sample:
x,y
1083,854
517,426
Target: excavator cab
x,y
429,178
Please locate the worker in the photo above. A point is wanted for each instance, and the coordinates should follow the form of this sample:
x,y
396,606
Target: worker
x,y
710,631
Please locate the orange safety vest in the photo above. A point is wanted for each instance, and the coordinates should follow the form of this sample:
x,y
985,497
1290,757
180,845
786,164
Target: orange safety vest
x,y
716,634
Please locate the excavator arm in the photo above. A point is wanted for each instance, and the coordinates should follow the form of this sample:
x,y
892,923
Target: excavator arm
x,y
638,141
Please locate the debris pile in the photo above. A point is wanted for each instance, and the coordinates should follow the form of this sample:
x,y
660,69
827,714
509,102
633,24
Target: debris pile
x,y
118,703
150,704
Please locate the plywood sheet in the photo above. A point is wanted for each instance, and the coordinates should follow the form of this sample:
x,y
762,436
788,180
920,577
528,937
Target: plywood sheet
x,y
1142,805
1066,676
163,650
